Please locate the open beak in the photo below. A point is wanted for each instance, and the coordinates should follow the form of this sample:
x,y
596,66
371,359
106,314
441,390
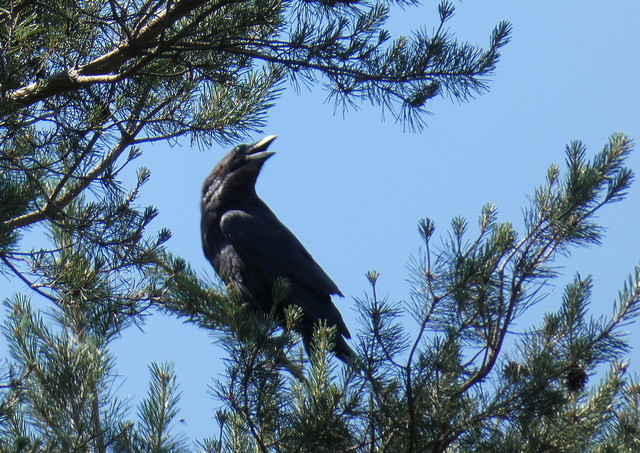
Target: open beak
x,y
258,151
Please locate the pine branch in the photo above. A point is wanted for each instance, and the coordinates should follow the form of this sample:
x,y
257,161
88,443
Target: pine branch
x,y
107,68
53,207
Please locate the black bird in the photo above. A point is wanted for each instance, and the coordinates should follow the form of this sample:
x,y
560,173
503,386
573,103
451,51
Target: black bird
x,y
250,248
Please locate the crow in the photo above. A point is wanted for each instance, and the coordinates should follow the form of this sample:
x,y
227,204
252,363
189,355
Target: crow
x,y
249,247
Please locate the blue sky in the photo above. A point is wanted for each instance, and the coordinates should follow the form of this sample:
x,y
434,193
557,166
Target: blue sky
x,y
352,187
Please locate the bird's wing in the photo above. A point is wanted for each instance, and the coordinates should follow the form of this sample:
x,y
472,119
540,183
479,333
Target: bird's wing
x,y
260,238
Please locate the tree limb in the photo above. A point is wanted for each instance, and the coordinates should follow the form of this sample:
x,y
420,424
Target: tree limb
x,y
106,68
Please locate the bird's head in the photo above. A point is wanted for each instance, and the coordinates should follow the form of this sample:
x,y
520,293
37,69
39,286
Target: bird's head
x,y
234,178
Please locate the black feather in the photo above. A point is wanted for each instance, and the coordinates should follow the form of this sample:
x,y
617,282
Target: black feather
x,y
250,248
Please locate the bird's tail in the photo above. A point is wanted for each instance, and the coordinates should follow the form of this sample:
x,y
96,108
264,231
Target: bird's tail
x,y
343,351
339,348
